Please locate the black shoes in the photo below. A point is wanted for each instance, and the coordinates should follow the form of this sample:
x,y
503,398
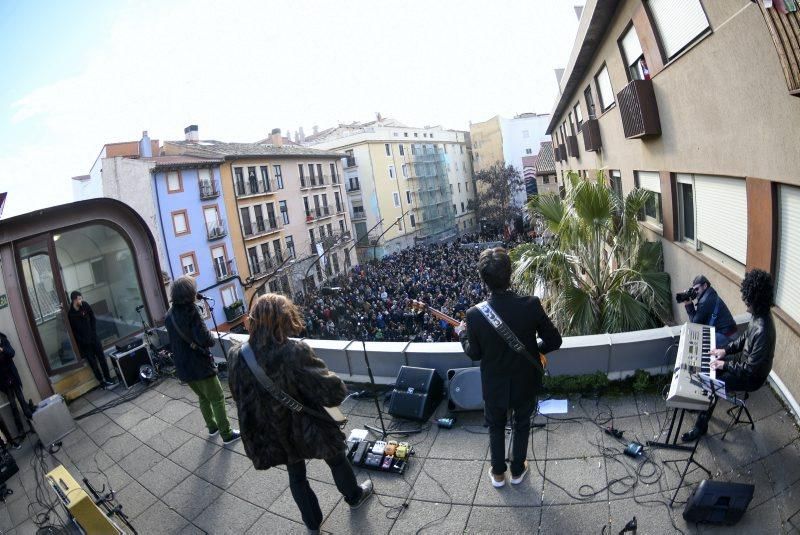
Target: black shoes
x,y
366,492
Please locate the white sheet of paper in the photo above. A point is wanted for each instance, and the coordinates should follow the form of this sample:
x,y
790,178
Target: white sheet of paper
x,y
553,406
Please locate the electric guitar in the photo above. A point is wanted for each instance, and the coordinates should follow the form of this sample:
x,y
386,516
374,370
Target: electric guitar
x,y
424,307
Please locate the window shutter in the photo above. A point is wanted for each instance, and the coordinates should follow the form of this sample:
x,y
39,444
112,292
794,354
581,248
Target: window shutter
x,y
604,86
649,180
678,22
722,214
787,294
631,46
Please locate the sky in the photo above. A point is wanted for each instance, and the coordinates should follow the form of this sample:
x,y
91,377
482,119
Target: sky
x,y
76,75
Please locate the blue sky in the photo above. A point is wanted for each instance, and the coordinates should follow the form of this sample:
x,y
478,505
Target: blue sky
x,y
76,75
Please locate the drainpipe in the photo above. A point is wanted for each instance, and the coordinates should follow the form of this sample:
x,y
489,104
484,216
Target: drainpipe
x,y
161,220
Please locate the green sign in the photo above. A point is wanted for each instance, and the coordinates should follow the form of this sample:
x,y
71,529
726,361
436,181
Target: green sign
x,y
3,301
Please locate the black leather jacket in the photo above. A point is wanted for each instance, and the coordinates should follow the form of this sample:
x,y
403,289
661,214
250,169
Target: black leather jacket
x,y
757,345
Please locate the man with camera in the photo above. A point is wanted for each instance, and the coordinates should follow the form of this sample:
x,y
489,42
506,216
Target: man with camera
x,y
710,310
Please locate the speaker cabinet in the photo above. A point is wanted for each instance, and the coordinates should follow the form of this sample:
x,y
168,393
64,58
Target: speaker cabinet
x,y
718,502
127,364
464,391
416,393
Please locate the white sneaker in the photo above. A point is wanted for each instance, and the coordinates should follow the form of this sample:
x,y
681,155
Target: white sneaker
x,y
497,483
517,480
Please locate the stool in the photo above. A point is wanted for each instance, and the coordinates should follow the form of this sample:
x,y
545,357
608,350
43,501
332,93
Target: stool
x,y
735,412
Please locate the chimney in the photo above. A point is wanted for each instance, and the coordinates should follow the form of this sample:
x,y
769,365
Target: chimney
x,y
315,129
378,116
276,138
145,146
301,136
192,133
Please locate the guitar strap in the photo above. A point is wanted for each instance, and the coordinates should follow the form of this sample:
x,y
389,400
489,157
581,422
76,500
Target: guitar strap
x,y
282,397
506,333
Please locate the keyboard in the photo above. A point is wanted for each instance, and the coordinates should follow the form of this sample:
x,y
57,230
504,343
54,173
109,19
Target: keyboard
x,y
694,357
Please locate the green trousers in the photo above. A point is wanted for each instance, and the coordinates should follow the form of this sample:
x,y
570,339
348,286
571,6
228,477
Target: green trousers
x,y
212,405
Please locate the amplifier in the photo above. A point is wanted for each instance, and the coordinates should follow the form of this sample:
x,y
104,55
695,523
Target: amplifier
x,y
127,364
126,344
718,502
52,420
8,467
80,505
416,393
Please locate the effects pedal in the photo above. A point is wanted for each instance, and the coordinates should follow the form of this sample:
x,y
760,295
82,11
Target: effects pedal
x,y
390,448
402,451
398,467
373,460
361,452
387,463
379,447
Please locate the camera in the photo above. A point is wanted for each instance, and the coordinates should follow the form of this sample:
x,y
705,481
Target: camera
x,y
688,295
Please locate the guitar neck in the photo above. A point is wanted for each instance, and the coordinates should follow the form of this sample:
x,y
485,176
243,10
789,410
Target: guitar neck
x,y
442,316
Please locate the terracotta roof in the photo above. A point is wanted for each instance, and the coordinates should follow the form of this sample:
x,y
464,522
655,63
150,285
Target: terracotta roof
x,y
546,162
181,161
232,151
529,161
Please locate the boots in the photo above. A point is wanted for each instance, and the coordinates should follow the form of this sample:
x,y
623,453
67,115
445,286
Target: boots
x,y
700,428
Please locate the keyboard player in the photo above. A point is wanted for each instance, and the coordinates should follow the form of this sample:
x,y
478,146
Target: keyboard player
x,y
711,310
744,363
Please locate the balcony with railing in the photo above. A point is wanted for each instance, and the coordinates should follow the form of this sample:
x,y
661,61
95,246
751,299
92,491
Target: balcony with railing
x,y
358,215
249,188
224,270
353,185
234,311
639,110
216,230
318,213
208,189
317,181
572,146
350,162
264,266
261,227
591,135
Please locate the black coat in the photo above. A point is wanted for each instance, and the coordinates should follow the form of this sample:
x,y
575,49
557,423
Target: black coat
x,y
9,376
272,434
509,380
84,325
190,364
749,371
705,309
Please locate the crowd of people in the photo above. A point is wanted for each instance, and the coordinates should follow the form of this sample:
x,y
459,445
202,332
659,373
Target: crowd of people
x,y
375,299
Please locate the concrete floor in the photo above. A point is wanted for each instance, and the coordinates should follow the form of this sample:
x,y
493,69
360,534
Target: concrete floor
x,y
170,478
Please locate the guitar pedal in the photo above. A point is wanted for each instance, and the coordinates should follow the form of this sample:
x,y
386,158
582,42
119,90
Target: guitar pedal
x,y
402,451
379,447
390,448
373,460
361,452
398,467
387,463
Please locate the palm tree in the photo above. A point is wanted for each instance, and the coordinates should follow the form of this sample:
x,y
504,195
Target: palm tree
x,y
598,274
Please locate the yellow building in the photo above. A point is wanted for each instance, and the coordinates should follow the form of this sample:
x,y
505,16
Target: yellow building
x,y
487,143
289,205
392,170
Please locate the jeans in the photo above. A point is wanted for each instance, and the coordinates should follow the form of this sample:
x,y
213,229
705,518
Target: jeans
x,y
521,422
304,496
212,405
97,360
14,395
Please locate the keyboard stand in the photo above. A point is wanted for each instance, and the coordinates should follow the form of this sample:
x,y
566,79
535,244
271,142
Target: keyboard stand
x,y
673,444
690,461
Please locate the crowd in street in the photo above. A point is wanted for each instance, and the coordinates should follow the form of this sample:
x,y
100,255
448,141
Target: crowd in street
x,y
375,299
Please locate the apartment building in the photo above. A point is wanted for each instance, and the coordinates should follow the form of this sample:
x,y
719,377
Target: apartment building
x,y
406,185
507,141
286,209
545,169
697,101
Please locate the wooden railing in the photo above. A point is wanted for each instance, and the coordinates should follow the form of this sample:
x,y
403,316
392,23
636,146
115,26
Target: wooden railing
x,y
785,31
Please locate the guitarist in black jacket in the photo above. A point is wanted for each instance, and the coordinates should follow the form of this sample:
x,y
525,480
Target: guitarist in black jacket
x,y
510,381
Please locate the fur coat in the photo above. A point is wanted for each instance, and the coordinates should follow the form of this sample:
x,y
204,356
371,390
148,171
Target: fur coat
x,y
271,433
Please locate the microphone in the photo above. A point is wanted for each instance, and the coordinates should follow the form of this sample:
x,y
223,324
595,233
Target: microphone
x,y
330,290
203,297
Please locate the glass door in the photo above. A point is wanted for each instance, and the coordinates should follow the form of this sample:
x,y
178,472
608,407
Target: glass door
x,y
47,304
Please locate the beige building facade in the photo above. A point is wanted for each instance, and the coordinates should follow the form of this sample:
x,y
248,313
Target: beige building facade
x,y
696,101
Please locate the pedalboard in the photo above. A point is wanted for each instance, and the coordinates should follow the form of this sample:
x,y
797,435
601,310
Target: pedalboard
x,y
378,455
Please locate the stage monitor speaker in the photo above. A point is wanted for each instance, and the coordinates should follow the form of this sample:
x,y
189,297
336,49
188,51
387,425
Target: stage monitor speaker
x,y
127,364
416,393
718,502
52,420
464,391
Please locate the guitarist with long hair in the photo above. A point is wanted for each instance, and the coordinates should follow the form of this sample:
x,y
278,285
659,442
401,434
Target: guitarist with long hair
x,y
502,333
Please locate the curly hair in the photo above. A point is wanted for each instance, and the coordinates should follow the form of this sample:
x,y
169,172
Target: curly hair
x,y
758,291
184,290
273,319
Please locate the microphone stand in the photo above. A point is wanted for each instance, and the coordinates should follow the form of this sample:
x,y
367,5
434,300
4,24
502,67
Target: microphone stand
x,y
210,302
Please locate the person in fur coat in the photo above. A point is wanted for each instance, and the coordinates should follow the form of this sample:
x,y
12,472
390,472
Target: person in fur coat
x,y
272,434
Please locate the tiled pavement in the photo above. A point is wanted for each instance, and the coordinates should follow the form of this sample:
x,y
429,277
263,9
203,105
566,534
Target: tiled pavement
x,y
170,478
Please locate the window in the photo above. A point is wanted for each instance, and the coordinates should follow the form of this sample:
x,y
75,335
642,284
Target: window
x,y
319,173
265,177
787,289
302,172
615,181
416,134
632,55
334,177
220,261
174,182
338,201
459,187
651,181
239,181
408,197
388,148
180,223
395,134
228,294
335,258
413,220
526,134
396,199
578,117
462,207
571,124
405,134
276,170
213,221
528,151
247,227
276,244
391,172
284,212
341,226
290,246
189,264
587,96
402,150
686,211
405,169
678,24
252,255
603,83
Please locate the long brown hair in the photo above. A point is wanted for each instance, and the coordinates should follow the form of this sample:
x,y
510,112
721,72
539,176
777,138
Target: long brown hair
x,y
273,319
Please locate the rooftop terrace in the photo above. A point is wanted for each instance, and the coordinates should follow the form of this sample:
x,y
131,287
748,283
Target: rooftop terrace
x,y
171,478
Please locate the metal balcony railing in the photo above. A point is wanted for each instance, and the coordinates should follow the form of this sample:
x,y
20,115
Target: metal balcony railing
x,y
359,215
317,213
224,270
216,230
591,135
254,187
208,189
350,161
639,110
317,181
261,226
